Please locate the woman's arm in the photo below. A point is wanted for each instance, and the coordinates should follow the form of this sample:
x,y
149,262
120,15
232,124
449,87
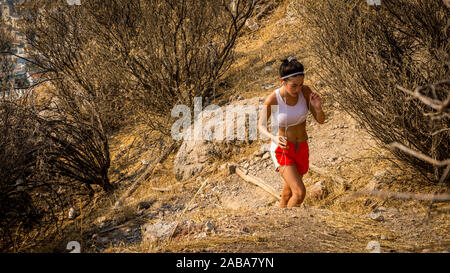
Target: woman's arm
x,y
316,105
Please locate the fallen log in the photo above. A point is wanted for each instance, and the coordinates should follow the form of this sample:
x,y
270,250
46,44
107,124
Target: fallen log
x,y
258,182
443,197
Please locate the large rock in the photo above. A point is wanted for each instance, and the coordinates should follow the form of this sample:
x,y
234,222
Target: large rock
x,y
194,155
318,190
159,231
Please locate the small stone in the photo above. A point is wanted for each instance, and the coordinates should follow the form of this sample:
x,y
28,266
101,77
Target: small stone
x,y
209,226
318,189
144,162
144,205
266,156
383,237
117,204
376,216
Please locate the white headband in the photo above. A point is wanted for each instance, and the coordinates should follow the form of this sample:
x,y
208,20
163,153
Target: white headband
x,y
293,74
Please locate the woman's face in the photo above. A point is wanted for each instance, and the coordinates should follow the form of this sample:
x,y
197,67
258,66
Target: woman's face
x,y
294,85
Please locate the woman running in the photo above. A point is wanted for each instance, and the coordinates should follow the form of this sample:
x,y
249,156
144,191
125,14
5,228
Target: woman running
x,y
289,148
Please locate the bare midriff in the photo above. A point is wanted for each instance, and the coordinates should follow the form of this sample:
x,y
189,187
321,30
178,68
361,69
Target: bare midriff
x,y
296,133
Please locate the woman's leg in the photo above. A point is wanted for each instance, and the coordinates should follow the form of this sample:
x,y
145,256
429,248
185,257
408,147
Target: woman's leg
x,y
286,194
294,180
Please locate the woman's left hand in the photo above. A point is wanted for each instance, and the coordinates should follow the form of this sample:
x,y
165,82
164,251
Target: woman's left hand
x,y
316,101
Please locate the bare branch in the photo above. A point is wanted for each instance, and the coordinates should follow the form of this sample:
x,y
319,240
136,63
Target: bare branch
x,y
433,103
444,197
419,155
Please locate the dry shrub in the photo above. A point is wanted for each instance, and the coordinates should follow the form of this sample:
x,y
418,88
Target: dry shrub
x,y
362,53
48,158
136,58
28,198
106,62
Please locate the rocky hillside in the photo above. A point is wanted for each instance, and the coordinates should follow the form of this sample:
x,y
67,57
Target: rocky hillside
x,y
196,201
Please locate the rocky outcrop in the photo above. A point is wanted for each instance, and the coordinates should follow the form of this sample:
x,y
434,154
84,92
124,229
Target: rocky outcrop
x,y
194,155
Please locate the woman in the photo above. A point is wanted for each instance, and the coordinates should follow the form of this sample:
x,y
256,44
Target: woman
x,y
289,148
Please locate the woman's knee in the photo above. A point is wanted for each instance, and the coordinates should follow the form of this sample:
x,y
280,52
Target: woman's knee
x,y
299,195
299,191
286,194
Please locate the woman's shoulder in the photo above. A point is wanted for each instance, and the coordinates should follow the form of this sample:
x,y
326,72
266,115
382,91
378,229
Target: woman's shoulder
x,y
271,99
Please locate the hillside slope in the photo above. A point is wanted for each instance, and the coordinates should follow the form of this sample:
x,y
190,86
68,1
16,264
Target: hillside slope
x,y
217,211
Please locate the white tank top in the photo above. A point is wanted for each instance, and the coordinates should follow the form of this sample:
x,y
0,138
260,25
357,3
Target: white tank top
x,y
288,115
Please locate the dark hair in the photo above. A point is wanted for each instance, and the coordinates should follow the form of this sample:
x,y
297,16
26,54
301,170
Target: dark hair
x,y
289,66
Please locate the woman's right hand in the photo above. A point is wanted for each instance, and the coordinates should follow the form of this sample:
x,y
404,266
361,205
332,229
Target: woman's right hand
x,y
281,141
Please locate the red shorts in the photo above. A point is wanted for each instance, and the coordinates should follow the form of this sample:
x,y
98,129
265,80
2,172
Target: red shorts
x,y
296,154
